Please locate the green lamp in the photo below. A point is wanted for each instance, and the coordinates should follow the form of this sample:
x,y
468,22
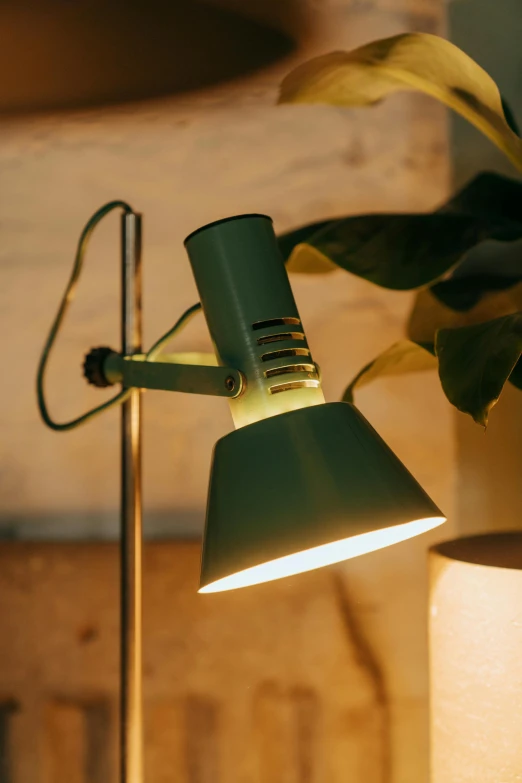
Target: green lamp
x,y
299,484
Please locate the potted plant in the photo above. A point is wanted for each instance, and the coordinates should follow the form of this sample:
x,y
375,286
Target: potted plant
x,y
464,259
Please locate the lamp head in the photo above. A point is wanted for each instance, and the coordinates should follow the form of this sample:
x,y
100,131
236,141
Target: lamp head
x,y
252,316
300,483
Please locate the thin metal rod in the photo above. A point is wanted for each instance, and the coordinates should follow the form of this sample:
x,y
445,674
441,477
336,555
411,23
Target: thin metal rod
x,y
131,716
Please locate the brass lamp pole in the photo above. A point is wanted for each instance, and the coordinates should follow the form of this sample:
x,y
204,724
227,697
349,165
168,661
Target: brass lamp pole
x,y
131,698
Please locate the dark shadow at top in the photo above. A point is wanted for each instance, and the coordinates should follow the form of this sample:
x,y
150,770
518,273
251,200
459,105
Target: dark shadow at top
x,y
71,54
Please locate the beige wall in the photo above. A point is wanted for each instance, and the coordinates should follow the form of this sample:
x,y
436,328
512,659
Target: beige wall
x,y
184,162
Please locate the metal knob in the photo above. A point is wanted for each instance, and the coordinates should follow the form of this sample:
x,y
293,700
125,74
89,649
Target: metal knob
x,y
93,366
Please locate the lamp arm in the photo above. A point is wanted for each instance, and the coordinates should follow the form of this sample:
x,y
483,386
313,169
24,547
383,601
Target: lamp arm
x,y
172,374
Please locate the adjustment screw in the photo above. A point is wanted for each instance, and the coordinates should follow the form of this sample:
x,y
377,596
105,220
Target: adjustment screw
x,y
230,383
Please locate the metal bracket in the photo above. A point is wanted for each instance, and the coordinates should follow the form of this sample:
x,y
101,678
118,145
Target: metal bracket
x,y
171,374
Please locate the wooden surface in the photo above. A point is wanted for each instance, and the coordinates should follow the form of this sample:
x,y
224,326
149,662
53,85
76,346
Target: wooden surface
x,y
268,684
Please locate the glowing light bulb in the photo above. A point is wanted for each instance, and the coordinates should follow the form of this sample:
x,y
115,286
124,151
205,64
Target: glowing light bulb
x,y
326,554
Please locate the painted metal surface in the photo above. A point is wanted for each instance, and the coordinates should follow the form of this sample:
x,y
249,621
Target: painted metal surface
x,y
252,316
171,376
293,482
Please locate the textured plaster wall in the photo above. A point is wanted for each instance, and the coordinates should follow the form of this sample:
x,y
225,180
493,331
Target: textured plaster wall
x,y
184,162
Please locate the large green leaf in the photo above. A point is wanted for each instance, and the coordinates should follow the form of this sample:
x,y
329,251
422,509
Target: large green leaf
x,y
400,252
411,61
476,361
490,265
408,251
429,314
464,293
488,195
400,358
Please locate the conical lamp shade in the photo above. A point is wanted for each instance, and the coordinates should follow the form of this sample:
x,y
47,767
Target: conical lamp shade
x,y
305,489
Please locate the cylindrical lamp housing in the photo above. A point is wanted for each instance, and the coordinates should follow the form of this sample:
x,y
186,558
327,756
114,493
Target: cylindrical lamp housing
x,y
476,659
252,316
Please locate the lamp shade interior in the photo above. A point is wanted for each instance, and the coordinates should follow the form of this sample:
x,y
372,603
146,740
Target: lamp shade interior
x,y
326,554
303,490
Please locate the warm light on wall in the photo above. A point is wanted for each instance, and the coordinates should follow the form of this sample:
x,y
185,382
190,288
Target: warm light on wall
x,y
476,660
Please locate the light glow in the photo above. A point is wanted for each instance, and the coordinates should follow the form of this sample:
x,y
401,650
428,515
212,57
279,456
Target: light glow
x,y
326,554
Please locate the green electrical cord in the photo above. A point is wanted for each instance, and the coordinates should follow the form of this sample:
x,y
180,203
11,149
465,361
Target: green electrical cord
x,y
67,299
180,324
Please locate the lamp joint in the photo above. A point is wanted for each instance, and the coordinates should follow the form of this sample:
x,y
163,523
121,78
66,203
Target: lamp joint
x,y
93,367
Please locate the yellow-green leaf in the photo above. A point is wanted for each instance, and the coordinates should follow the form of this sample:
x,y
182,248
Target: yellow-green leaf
x,y
402,357
306,259
411,61
299,256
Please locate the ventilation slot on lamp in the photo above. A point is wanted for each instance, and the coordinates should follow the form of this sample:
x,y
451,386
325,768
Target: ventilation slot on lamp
x,y
284,353
291,385
276,322
304,373
280,337
290,368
